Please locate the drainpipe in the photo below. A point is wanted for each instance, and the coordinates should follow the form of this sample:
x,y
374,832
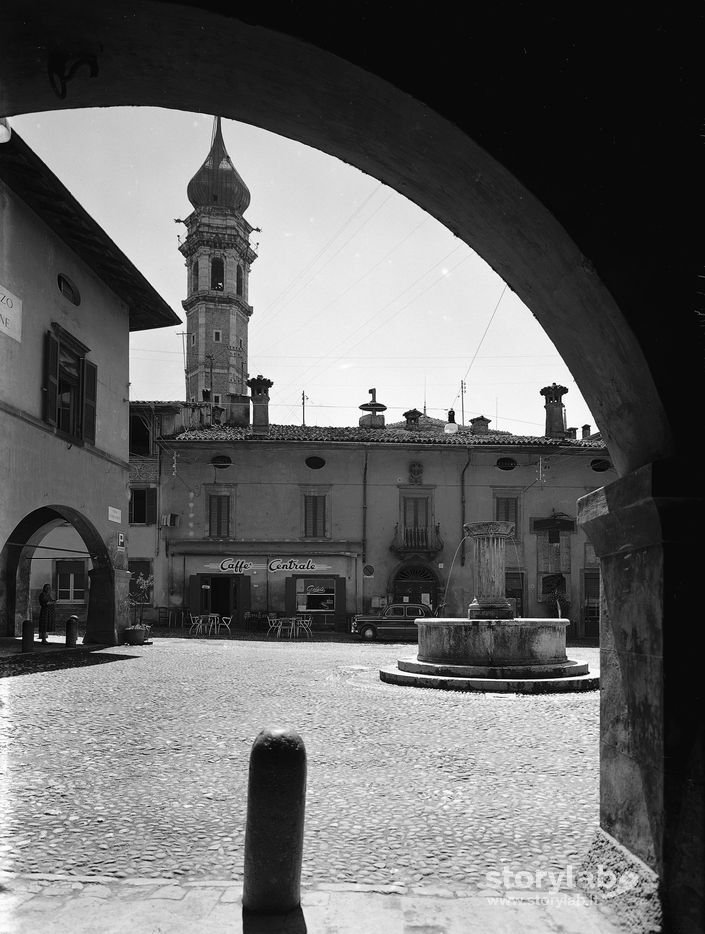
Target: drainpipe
x,y
364,510
462,505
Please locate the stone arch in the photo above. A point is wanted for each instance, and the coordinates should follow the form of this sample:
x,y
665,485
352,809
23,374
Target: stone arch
x,y
574,183
16,557
277,81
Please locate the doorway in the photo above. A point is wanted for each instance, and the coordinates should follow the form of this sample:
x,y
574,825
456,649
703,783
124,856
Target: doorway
x,y
416,584
224,594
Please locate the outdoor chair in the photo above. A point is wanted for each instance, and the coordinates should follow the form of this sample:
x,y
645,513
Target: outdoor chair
x,y
224,623
274,624
196,628
304,625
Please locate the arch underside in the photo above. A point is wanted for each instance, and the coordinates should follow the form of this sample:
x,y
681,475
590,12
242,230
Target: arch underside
x,y
15,561
190,58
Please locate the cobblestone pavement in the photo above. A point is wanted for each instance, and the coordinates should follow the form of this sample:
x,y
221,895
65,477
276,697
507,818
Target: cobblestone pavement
x,y
137,767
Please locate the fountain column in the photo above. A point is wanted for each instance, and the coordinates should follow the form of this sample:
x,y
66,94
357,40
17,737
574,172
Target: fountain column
x,y
490,539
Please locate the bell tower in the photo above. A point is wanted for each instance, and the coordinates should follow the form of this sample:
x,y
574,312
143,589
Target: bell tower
x,y
218,257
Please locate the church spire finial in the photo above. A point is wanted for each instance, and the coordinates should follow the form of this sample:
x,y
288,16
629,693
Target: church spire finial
x,y
217,183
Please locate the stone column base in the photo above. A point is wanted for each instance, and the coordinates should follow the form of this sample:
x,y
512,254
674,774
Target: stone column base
x,y
615,878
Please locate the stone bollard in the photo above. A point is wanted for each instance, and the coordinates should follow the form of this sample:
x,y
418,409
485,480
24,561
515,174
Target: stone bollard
x,y
27,635
274,833
71,631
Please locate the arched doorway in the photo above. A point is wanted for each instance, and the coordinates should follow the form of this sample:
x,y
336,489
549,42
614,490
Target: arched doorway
x,y
15,566
415,583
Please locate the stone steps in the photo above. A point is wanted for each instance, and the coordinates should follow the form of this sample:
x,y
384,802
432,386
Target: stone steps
x,y
501,685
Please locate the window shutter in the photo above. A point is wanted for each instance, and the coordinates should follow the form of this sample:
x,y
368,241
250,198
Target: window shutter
x,y
218,515
194,594
212,515
90,391
51,378
340,608
150,506
290,595
314,516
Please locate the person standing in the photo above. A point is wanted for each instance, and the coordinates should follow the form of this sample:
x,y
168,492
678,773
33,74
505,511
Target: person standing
x,y
46,612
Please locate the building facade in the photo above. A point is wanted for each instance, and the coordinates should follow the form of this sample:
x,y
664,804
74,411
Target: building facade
x,y
68,301
337,521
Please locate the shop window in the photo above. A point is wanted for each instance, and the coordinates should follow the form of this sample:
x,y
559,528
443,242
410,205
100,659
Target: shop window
x,y
71,580
315,515
218,515
70,386
143,506
315,595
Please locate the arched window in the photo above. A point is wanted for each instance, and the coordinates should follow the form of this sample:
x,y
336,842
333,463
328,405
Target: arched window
x,y
194,276
239,280
217,274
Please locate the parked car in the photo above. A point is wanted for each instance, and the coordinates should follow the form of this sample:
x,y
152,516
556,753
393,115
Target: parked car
x,y
396,621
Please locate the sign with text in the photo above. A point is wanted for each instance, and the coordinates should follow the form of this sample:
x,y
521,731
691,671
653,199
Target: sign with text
x,y
10,314
273,566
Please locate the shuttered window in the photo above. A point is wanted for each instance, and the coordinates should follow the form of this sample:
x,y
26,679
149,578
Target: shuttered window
x,y
314,516
218,515
506,509
70,386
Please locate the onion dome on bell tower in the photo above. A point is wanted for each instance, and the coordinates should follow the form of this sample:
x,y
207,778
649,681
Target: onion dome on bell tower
x,y
218,183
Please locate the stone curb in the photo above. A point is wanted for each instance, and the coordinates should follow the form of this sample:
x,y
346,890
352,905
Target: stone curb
x,y
7,878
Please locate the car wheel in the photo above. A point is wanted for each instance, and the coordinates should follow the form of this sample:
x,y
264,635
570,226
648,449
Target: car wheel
x,y
368,633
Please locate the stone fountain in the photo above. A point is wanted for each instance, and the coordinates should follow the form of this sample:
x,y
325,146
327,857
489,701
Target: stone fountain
x,y
492,650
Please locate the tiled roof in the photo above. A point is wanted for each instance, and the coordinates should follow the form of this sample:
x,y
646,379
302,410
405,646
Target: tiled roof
x,y
153,403
388,435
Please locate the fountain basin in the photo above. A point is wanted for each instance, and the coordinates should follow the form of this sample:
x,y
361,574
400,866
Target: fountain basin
x,y
492,643
520,656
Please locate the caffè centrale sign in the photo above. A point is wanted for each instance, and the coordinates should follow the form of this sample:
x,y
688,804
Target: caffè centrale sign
x,y
273,566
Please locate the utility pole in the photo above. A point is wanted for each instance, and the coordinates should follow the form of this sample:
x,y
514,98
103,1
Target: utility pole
x,y
304,397
462,402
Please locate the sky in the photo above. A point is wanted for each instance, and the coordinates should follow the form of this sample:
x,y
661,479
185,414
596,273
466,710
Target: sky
x,y
354,287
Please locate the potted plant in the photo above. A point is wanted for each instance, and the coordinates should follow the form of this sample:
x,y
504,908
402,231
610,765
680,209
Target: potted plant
x,y
137,633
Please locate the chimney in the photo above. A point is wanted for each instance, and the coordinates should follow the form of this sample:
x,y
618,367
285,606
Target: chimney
x,y
478,425
259,391
586,431
555,410
571,433
375,418
412,419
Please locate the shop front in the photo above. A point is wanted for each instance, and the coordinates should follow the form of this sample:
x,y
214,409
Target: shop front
x,y
238,585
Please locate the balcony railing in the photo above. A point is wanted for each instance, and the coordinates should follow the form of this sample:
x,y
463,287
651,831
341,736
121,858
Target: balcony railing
x,y
417,538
